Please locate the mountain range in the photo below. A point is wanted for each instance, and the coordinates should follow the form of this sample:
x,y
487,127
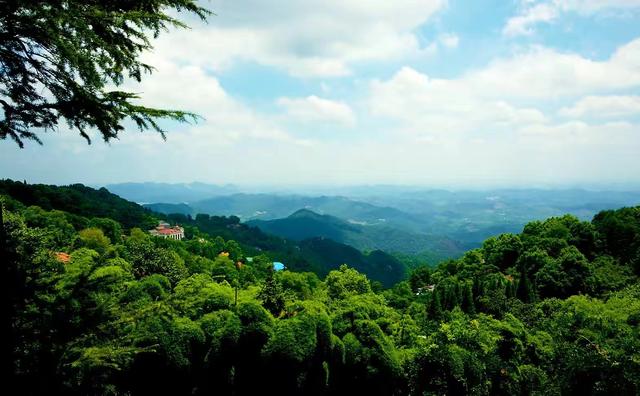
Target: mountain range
x,y
169,192
305,224
319,255
401,219
355,223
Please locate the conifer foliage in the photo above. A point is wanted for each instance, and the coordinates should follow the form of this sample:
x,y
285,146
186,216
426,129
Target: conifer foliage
x,y
62,62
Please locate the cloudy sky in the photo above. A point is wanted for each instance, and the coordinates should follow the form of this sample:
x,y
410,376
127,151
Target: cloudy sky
x,y
428,92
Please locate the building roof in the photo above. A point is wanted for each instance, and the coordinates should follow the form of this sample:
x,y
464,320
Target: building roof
x,y
170,231
63,257
165,229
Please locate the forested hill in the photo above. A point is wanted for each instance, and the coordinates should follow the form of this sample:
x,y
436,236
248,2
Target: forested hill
x,y
95,310
79,200
318,255
304,224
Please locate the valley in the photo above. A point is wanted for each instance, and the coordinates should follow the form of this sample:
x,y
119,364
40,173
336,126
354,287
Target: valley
x,y
405,220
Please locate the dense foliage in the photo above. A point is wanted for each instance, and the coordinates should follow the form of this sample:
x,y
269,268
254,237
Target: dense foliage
x,y
319,256
305,224
101,308
81,200
60,60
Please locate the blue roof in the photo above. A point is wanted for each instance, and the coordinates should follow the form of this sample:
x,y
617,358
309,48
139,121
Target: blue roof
x,y
278,266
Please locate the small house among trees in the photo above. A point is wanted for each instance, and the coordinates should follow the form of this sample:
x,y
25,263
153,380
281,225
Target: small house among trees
x,y
165,230
425,289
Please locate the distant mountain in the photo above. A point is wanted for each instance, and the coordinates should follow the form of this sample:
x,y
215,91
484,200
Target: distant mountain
x,y
305,224
398,219
272,206
355,223
169,193
317,256
474,215
170,208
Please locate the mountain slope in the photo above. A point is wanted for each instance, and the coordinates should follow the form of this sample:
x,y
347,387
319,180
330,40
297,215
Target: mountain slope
x,y
468,217
305,224
474,215
88,202
356,223
80,200
319,255
377,264
271,206
170,208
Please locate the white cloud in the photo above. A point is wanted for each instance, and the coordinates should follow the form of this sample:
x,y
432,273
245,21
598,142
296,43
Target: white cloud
x,y
233,142
449,40
612,137
603,107
592,6
533,12
225,120
503,94
426,105
503,101
546,73
306,38
315,109
479,127
521,24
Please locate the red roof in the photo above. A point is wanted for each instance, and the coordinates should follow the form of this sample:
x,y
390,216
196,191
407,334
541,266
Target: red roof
x,y
63,257
169,231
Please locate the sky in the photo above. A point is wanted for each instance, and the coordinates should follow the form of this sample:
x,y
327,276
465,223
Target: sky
x,y
412,92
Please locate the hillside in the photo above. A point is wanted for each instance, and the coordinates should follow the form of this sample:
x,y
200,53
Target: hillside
x,y
79,200
552,310
170,208
305,224
355,223
305,254
85,201
273,206
377,264
454,221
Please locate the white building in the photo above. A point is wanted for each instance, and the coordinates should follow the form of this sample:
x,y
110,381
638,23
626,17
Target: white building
x,y
164,230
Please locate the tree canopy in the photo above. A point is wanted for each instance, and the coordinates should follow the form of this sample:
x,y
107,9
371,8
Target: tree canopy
x,y
62,61
98,308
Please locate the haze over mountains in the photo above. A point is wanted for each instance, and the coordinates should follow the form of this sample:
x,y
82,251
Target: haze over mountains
x,y
305,224
398,219
167,192
316,254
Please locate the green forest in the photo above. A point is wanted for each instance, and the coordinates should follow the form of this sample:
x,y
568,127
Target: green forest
x,y
319,255
93,303
98,306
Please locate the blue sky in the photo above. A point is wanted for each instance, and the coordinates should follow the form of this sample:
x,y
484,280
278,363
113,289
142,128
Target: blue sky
x,y
430,92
